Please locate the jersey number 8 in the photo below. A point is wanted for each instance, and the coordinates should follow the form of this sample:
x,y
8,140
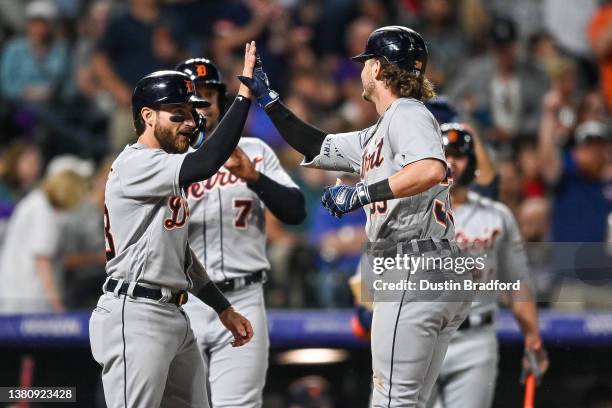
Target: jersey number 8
x,y
108,237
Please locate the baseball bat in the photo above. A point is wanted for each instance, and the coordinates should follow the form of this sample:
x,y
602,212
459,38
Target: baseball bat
x,y
25,378
530,386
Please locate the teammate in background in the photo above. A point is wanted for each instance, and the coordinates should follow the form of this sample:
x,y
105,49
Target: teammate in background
x,y
227,234
139,332
403,170
486,181
484,228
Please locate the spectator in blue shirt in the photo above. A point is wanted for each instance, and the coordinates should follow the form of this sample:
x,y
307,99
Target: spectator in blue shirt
x,y
580,205
35,67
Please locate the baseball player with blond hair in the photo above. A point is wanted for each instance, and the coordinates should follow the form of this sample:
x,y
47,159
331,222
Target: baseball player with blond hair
x,y
404,190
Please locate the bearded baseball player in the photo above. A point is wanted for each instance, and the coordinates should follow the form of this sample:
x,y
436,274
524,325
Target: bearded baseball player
x,y
405,192
227,234
487,229
139,332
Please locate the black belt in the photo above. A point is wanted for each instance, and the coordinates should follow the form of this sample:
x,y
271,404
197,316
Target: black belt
x,y
178,298
412,247
481,320
429,245
228,285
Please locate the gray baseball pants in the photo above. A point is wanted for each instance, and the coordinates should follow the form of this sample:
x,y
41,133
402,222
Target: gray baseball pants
x,y
148,353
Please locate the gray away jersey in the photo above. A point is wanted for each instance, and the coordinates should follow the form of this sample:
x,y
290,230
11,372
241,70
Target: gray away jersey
x,y
227,226
487,228
146,218
406,133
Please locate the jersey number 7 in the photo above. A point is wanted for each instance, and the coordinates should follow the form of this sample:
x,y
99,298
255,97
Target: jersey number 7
x,y
244,207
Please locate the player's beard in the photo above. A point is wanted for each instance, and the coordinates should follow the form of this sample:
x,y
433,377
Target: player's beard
x,y
169,142
369,88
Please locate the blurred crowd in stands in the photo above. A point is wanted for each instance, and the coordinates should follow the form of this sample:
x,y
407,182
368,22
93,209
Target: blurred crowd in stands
x,y
533,77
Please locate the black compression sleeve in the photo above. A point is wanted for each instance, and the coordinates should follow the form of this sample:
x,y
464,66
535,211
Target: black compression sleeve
x,y
286,203
303,137
212,296
380,191
204,162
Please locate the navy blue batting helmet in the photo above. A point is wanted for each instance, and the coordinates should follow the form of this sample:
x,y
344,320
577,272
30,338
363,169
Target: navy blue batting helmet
x,y
398,45
164,88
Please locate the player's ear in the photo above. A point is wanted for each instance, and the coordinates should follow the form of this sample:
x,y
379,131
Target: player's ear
x,y
148,116
376,69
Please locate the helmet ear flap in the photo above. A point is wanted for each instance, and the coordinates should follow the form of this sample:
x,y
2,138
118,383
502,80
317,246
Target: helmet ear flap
x,y
196,139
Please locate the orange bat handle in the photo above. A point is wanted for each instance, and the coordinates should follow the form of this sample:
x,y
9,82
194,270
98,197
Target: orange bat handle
x,y
530,385
25,378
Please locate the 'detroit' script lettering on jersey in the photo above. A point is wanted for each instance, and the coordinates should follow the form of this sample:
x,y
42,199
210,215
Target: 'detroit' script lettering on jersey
x,y
221,179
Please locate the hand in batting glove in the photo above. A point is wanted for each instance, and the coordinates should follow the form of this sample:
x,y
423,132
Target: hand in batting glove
x,y
341,199
260,85
535,361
